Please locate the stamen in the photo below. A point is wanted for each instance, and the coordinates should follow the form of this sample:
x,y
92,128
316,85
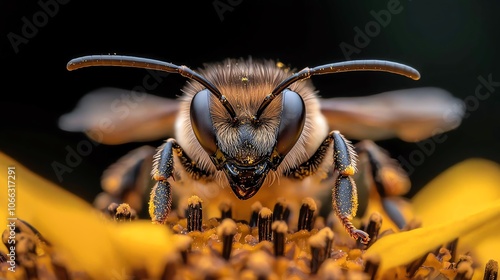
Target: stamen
x,y
256,207
125,213
25,250
112,209
172,267
373,228
444,255
227,231
465,271
372,264
280,229
306,214
226,210
264,224
194,214
183,245
260,263
491,270
412,268
452,248
207,268
330,270
321,245
60,270
139,273
281,210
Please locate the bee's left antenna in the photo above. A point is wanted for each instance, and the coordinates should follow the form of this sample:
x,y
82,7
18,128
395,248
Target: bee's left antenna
x,y
146,63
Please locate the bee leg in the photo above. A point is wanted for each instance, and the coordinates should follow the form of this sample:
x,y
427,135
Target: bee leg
x,y
160,200
344,196
386,177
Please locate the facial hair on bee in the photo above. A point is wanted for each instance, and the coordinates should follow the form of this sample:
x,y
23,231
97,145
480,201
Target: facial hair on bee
x,y
245,83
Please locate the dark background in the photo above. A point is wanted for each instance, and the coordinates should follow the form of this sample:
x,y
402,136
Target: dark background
x,y
451,43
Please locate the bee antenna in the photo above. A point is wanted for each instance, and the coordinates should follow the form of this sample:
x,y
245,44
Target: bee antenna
x,y
146,63
346,66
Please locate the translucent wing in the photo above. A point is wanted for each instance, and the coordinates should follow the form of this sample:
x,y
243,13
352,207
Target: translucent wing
x,y
409,114
115,116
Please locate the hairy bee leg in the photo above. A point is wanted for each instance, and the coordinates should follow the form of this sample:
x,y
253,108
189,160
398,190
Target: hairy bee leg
x,y
160,201
344,194
345,205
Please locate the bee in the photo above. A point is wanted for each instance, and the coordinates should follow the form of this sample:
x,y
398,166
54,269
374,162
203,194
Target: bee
x,y
246,129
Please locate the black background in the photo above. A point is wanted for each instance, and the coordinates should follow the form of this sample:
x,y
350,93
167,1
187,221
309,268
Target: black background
x,y
451,43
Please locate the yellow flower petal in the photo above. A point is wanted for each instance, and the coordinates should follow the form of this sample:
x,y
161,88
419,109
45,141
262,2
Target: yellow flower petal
x,y
484,245
458,191
75,228
402,248
65,220
450,206
142,244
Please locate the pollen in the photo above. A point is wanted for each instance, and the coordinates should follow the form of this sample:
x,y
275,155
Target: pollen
x,y
158,177
282,66
349,170
249,160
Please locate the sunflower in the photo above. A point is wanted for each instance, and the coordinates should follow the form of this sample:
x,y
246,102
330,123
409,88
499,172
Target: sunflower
x,y
451,233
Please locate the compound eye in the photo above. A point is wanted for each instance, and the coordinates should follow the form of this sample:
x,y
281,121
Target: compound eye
x,y
293,116
201,121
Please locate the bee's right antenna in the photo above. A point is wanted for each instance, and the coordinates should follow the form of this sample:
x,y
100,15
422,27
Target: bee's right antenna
x,y
347,66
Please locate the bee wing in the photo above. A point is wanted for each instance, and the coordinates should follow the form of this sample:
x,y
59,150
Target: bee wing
x,y
409,114
115,116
